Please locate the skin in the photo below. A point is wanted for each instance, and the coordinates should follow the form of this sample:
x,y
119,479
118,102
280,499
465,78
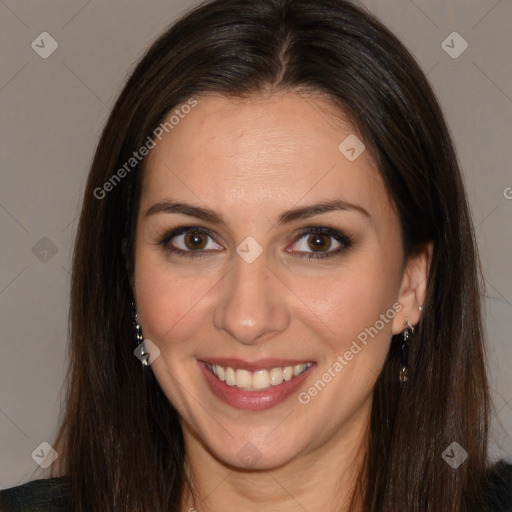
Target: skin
x,y
250,161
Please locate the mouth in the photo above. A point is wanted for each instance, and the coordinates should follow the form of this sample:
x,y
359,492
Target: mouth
x,y
258,380
255,386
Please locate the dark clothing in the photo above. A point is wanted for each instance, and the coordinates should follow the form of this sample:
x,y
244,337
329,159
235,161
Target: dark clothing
x,y
499,491
46,495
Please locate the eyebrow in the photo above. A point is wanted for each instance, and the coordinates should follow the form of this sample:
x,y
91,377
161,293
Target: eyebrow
x,y
208,215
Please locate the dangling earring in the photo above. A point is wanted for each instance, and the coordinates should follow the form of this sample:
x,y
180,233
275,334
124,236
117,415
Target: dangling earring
x,y
405,352
140,350
138,329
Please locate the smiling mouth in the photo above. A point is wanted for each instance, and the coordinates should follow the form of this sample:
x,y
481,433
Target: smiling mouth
x,y
258,380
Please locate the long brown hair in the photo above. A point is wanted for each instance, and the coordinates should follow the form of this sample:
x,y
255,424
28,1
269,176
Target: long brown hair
x,y
120,437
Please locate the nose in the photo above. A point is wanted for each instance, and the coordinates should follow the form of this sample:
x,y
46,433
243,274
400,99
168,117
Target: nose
x,y
252,304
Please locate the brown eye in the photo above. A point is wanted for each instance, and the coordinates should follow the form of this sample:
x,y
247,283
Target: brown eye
x,y
189,241
195,240
319,242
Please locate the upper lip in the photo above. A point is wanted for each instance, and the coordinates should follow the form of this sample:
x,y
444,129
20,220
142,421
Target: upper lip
x,y
258,364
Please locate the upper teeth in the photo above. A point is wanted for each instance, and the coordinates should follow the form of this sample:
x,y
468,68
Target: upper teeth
x,y
261,379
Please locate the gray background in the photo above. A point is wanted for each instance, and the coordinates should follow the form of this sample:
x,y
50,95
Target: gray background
x,y
54,109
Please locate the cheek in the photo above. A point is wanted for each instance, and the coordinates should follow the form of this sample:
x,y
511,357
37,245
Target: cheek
x,y
356,306
352,298
171,306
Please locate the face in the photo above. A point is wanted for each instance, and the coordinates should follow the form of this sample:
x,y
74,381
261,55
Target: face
x,y
269,273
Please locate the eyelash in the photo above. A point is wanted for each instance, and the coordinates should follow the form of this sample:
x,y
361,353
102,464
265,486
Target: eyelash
x,y
340,237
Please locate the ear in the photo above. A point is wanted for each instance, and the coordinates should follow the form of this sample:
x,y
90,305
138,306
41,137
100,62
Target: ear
x,y
413,288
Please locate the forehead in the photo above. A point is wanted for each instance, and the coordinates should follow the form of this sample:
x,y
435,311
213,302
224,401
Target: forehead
x,y
275,148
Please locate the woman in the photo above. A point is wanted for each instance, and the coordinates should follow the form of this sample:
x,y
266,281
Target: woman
x,y
276,292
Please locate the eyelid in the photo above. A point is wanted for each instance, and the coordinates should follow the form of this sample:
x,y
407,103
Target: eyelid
x,y
325,230
172,233
344,240
164,239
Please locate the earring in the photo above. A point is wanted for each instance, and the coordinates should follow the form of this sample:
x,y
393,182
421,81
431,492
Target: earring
x,y
405,352
136,325
140,351
420,307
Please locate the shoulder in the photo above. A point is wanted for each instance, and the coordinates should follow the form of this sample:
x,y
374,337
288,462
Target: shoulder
x,y
499,487
46,495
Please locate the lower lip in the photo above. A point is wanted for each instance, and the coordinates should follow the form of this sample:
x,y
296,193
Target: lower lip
x,y
253,400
